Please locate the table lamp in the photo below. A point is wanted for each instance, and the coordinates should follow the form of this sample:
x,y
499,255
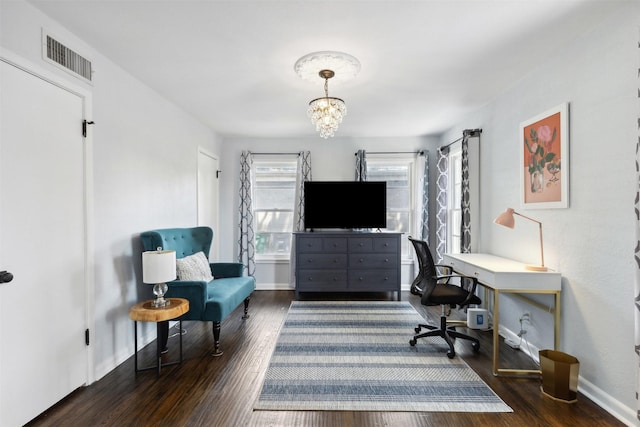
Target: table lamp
x,y
506,219
159,267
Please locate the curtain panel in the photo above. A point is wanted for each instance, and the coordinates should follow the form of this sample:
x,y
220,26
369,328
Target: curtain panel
x,y
465,223
303,173
246,241
442,186
361,165
422,196
637,248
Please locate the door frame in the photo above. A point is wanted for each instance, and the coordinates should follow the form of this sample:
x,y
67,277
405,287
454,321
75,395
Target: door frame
x,y
215,247
36,70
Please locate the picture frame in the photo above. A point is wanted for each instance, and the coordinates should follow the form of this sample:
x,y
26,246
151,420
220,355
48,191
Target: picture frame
x,y
544,159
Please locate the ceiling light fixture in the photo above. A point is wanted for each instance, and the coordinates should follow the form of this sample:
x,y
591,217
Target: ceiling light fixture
x,y
326,113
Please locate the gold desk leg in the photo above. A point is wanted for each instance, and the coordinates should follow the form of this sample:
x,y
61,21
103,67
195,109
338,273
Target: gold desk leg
x,y
556,339
496,332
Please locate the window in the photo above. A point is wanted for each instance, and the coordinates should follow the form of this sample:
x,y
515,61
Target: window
x,y
274,200
454,200
398,173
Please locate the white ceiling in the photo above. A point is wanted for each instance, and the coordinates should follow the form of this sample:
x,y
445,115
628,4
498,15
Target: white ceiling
x,y
424,63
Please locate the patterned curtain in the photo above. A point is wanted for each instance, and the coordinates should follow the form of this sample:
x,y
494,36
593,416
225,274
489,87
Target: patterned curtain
x,y
465,224
637,248
361,165
303,173
246,243
441,201
422,196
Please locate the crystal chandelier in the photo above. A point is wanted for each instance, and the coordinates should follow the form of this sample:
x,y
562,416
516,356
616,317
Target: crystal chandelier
x,y
326,113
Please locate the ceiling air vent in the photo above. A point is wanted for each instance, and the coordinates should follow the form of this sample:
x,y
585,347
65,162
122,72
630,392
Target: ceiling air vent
x,y
69,60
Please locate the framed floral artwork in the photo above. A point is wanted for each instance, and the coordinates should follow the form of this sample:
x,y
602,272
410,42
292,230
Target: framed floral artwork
x,y
544,160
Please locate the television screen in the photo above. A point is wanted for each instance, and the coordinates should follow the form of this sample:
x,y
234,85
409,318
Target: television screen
x,y
345,204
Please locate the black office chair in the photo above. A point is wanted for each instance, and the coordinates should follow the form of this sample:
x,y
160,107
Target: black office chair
x,y
436,290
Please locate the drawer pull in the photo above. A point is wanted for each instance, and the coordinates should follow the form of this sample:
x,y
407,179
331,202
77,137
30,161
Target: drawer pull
x,y
361,244
361,279
335,260
386,260
310,260
386,278
361,260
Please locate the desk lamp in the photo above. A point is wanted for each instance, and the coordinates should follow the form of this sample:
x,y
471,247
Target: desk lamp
x,y
159,267
506,219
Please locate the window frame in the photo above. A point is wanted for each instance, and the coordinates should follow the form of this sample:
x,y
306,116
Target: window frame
x,y
454,188
284,160
409,161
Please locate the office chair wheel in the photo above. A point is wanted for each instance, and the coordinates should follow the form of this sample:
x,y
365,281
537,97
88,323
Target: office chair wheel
x,y
475,346
413,342
418,329
451,354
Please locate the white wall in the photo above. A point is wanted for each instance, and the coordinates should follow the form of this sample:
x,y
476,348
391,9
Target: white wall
x,y
591,243
145,158
331,159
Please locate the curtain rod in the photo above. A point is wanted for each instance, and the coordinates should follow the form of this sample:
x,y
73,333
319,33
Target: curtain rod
x,y
275,154
466,132
419,152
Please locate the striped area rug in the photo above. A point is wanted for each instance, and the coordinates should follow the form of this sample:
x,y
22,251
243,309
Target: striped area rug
x,y
355,356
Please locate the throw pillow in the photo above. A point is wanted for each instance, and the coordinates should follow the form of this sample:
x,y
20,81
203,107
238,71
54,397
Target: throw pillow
x,y
194,267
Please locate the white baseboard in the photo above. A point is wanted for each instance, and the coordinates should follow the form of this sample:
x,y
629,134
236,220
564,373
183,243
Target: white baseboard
x,y
290,287
623,413
145,337
275,287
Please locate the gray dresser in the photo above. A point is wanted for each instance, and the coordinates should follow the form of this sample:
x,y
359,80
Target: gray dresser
x,y
347,262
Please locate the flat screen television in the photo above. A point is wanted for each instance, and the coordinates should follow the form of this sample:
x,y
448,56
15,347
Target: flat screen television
x,y
345,204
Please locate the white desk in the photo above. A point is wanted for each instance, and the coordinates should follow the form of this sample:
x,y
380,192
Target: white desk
x,y
503,275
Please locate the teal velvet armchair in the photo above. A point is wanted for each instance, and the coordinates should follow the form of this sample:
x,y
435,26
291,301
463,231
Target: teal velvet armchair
x,y
208,300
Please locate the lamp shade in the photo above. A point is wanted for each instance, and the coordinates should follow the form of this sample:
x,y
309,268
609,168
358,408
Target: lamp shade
x,y
158,266
506,218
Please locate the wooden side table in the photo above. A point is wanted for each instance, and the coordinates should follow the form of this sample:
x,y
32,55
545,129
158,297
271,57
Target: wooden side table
x,y
146,312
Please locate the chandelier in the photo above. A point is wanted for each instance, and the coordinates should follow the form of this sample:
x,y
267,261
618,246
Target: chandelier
x,y
326,113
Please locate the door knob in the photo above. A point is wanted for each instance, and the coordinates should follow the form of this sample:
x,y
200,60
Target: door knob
x,y
5,277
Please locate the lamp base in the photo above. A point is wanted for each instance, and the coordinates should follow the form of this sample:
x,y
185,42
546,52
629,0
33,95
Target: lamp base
x,y
160,302
535,267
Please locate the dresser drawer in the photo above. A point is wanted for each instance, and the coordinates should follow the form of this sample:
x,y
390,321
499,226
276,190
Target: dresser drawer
x,y
322,261
321,244
373,261
360,244
309,244
334,244
385,244
373,280
318,280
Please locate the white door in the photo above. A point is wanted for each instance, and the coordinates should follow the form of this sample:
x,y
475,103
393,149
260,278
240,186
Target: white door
x,y
43,355
208,196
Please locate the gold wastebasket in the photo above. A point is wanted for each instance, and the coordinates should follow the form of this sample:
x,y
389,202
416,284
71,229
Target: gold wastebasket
x,y
559,375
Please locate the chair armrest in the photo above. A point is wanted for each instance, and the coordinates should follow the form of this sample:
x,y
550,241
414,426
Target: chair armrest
x,y
445,267
226,269
194,291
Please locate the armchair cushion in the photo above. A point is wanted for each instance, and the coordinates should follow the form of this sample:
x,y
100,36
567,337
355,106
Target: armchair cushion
x,y
194,267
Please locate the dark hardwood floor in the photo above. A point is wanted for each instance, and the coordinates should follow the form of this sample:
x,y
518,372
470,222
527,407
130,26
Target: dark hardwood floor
x,y
210,391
